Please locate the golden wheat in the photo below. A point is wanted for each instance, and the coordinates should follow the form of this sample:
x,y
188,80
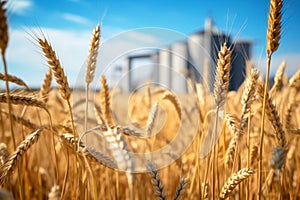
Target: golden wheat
x,y
56,68
234,180
7,168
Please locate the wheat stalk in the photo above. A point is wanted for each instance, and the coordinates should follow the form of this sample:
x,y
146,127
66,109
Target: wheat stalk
x,y
98,114
234,180
7,168
253,154
151,119
273,37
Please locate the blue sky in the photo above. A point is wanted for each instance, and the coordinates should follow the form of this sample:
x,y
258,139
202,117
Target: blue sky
x,y
68,25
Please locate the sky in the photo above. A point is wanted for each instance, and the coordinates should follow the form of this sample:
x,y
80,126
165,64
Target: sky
x,y
68,25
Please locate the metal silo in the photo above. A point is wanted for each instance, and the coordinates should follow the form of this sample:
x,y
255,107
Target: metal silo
x,y
179,67
164,57
196,54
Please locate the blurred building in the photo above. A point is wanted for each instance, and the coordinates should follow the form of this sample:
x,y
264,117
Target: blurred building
x,y
194,58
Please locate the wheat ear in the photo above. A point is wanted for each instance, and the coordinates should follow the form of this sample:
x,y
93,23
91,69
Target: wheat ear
x,y
14,79
7,168
232,122
3,28
59,75
288,115
105,101
89,152
234,180
180,188
157,183
274,26
174,101
98,114
24,100
278,158
249,94
4,154
222,75
273,116
46,87
247,98
294,81
92,56
54,194
21,120
56,68
278,79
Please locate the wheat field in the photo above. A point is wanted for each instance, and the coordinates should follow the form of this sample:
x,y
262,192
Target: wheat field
x,y
236,144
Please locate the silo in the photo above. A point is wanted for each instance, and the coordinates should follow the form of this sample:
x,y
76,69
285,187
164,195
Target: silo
x,y
241,52
155,67
179,67
196,54
164,57
126,76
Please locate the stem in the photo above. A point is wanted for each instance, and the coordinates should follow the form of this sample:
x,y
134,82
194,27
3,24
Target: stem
x,y
86,106
72,119
262,127
8,99
66,174
11,120
248,154
2,125
94,185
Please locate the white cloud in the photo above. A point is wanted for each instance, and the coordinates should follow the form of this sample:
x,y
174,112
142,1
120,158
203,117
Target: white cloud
x,y
20,6
76,18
